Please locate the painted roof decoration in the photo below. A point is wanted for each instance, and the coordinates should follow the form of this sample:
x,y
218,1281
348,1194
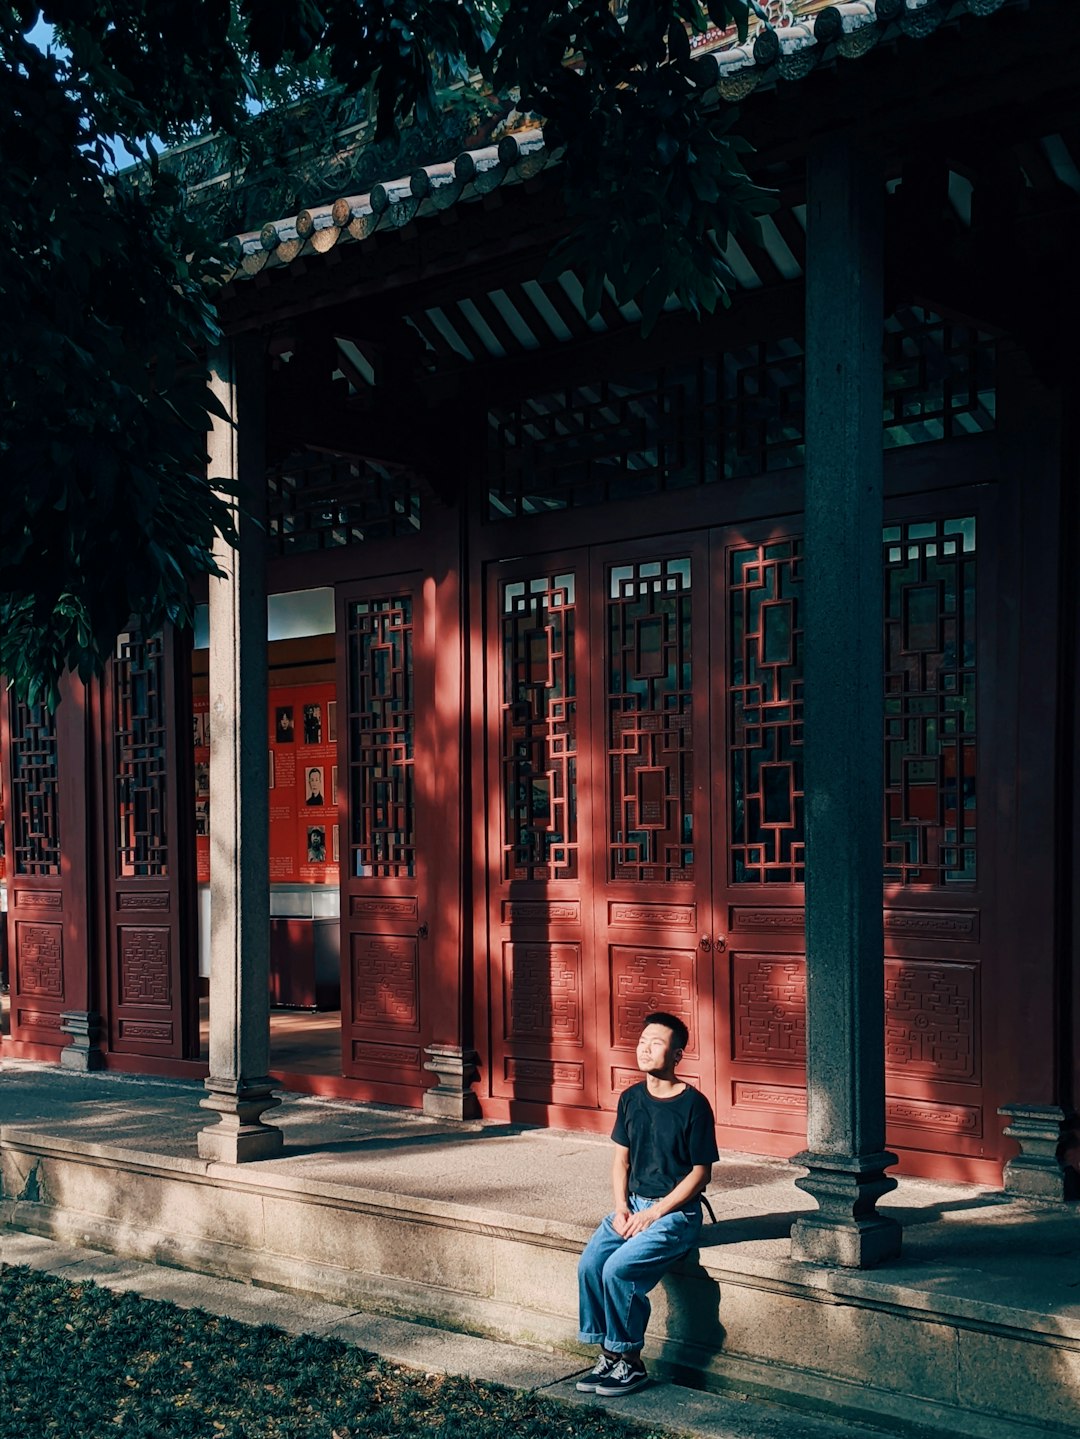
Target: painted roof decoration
x,y
788,39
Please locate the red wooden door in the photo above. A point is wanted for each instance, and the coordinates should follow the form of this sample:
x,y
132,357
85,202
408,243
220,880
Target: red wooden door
x,y
387,835
149,886
949,824
645,809
758,942
541,816
47,864
653,835
605,816
941,954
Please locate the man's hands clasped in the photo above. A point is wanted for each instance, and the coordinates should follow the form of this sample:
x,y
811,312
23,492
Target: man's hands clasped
x,y
627,1224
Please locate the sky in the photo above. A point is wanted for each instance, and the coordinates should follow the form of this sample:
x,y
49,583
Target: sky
x,y
42,37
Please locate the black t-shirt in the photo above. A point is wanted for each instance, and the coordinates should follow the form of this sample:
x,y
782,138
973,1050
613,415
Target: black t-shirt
x,y
665,1137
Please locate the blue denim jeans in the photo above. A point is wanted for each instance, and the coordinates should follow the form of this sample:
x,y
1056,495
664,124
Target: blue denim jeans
x,y
616,1274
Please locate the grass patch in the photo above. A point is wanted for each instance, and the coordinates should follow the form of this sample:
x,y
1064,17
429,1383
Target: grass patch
x,y
79,1361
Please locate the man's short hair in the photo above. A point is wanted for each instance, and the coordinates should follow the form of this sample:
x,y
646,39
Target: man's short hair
x,y
679,1032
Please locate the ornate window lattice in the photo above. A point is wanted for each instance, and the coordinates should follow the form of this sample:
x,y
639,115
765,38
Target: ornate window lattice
x,y
765,691
316,502
382,728
140,755
35,819
930,702
650,721
589,444
763,408
539,729
727,417
929,707
939,379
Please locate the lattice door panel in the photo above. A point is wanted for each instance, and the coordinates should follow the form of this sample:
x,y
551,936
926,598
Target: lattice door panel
x,y
930,702
647,823
149,891
652,915
48,918
542,983
758,797
936,909
386,839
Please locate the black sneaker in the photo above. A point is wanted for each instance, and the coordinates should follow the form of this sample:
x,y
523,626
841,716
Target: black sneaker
x,y
600,1371
624,1378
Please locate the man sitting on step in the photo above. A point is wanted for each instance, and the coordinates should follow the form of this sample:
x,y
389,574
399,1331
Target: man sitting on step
x,y
665,1146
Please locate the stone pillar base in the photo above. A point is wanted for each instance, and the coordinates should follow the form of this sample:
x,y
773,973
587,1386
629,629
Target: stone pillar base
x,y
1037,1171
83,1053
847,1229
239,1136
452,1097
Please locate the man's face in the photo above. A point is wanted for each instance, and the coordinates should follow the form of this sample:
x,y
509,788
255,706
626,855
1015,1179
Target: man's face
x,y
656,1050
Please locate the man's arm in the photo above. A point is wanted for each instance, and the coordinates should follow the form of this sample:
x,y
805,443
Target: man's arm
x,y
684,1191
620,1188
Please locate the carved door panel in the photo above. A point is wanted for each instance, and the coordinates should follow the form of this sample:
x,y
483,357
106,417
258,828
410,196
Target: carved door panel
x,y
387,753
540,813
150,930
758,947
646,823
45,798
941,948
939,958
653,837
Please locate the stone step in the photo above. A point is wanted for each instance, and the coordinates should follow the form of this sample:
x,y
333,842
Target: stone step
x,y
919,1349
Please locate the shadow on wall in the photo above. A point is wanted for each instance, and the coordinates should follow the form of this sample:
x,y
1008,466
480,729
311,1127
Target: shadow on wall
x,y
747,1228
692,1298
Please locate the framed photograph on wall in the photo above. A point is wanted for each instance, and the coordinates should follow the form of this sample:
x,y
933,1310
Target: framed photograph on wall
x,y
314,788
313,724
284,725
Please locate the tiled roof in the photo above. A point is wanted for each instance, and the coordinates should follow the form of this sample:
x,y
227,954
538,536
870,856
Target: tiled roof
x,y
806,38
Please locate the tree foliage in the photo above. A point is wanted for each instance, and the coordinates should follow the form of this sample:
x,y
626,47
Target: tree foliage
x,y
106,286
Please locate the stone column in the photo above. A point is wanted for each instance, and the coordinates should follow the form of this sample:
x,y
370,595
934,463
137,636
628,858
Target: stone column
x,y
239,1089
843,717
1049,1154
84,1051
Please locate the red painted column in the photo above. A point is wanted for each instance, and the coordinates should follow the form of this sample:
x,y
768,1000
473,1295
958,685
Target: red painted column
x,y
450,1055
1033,1027
81,1018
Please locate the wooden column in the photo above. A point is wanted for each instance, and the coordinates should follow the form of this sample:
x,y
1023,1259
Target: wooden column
x,y
846,1153
450,1055
81,1018
1069,984
238,1086
1027,1036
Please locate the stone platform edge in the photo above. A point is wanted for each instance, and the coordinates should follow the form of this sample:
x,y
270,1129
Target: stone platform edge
x,y
910,1358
